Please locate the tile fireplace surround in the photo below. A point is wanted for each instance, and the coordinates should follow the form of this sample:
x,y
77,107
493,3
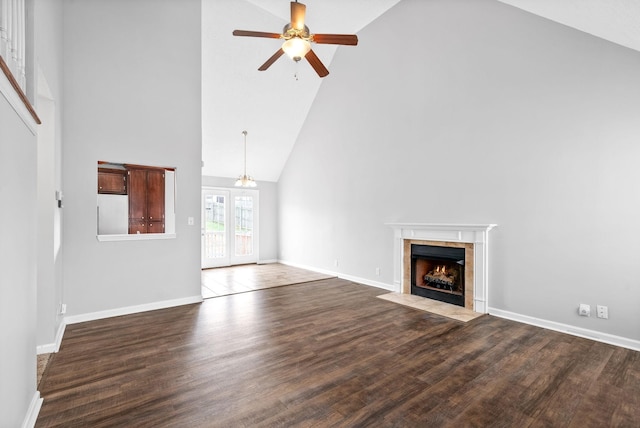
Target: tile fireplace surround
x,y
475,234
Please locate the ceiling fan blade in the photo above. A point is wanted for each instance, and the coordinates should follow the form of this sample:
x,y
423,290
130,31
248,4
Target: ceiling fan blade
x,y
256,34
317,65
271,60
298,11
335,39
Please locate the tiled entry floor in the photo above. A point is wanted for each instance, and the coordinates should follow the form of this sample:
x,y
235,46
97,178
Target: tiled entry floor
x,y
242,278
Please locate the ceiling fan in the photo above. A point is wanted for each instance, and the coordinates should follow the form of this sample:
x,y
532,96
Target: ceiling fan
x,y
297,40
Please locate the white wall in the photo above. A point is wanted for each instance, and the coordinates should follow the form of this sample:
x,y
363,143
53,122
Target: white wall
x,y
47,209
478,104
17,267
48,65
132,94
22,323
267,210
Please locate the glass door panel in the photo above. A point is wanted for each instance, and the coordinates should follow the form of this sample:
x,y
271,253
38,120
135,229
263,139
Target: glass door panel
x,y
244,226
245,215
215,246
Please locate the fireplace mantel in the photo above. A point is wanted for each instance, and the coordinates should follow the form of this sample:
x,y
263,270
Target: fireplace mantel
x,y
476,234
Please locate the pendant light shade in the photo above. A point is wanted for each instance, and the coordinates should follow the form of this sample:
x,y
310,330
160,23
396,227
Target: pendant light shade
x,y
245,180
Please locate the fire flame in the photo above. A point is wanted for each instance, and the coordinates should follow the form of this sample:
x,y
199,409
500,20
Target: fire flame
x,y
441,269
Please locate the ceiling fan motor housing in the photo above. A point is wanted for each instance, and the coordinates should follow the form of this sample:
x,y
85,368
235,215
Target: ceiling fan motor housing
x,y
288,33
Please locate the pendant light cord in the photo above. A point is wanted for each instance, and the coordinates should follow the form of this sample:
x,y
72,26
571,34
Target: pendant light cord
x,y
245,152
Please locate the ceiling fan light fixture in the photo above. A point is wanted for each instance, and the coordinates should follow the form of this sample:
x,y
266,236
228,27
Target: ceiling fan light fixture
x,y
296,48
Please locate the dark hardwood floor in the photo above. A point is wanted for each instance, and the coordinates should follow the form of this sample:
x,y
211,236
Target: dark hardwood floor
x,y
329,353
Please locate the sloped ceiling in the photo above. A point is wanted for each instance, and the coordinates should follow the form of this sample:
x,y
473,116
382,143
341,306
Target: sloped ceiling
x,y
615,20
272,105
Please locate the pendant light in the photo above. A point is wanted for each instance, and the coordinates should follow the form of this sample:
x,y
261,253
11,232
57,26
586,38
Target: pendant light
x,y
245,180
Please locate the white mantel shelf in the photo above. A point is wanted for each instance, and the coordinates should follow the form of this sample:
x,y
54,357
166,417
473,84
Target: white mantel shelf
x,y
449,230
476,234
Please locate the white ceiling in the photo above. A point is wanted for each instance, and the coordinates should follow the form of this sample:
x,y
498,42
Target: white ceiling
x,y
272,105
615,20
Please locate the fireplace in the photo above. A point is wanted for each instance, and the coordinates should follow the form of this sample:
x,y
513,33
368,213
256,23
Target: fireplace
x,y
472,238
438,272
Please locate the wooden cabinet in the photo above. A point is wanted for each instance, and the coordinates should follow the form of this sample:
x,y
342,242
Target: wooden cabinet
x,y
112,181
146,200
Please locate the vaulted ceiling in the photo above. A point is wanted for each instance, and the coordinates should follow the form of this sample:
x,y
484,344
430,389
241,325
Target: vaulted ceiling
x,y
272,105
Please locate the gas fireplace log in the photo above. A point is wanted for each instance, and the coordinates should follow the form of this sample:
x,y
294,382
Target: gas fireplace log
x,y
439,279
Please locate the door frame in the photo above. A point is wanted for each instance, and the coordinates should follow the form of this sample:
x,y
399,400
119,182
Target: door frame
x,y
230,258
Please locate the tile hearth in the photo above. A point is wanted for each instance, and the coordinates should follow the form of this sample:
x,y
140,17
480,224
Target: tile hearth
x,y
429,305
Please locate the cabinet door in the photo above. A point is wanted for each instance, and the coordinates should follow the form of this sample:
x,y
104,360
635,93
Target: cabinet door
x,y
112,182
137,226
155,199
155,227
137,195
146,200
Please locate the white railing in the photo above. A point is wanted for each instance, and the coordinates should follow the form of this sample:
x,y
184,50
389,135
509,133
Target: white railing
x,y
214,244
244,243
12,38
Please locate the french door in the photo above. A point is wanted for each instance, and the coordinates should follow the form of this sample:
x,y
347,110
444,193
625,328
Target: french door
x,y
229,227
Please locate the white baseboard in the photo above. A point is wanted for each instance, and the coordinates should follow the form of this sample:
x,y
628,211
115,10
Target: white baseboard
x,y
365,281
311,268
267,262
46,348
60,334
377,284
569,329
55,346
32,412
74,319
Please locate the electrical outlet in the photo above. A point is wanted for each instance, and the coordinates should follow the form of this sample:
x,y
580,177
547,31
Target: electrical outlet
x,y
63,308
335,262
584,310
377,271
602,312
190,221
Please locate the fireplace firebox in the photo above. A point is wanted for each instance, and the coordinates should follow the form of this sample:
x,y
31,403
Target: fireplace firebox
x,y
438,273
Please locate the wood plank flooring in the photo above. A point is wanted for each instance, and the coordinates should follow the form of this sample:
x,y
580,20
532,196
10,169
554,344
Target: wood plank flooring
x,y
330,354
